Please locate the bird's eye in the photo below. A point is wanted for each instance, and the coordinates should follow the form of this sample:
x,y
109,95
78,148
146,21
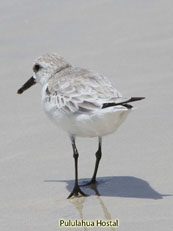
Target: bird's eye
x,y
36,68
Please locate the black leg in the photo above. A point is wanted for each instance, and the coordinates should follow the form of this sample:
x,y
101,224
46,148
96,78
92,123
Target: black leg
x,y
98,158
76,190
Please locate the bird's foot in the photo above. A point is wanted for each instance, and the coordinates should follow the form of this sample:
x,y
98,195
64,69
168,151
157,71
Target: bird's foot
x,y
76,192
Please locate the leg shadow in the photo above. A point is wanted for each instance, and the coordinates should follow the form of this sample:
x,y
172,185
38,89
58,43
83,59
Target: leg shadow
x,y
117,186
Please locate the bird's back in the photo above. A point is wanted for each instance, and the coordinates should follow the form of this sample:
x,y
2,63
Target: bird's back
x,y
74,99
77,88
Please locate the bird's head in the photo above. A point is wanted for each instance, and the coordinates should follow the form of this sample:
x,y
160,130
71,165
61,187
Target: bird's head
x,y
44,68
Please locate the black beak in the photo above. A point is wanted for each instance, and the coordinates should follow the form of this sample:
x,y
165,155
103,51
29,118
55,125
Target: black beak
x,y
27,85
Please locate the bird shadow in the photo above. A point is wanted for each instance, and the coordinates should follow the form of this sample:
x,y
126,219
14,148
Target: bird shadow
x,y
117,186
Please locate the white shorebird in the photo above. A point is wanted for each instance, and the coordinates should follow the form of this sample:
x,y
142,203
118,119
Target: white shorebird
x,y
81,102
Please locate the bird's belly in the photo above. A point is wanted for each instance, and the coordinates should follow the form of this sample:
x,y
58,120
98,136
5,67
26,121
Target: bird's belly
x,y
100,123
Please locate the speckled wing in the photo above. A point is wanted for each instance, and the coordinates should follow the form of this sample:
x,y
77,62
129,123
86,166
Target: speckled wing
x,y
80,90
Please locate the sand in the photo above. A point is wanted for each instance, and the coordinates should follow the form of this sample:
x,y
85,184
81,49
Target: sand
x,y
131,43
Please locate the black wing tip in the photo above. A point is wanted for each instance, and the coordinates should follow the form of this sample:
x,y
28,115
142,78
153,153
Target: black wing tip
x,y
125,104
136,98
128,106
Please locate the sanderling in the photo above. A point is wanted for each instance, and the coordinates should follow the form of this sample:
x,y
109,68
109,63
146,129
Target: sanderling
x,y
81,102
